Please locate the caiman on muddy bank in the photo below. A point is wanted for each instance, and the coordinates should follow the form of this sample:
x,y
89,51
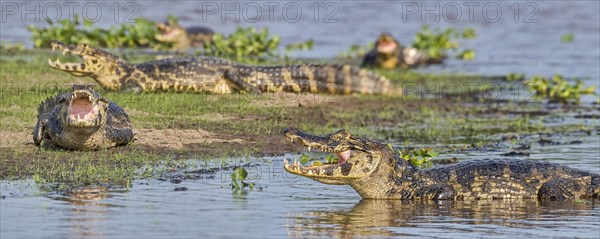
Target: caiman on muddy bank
x,y
375,172
218,76
81,120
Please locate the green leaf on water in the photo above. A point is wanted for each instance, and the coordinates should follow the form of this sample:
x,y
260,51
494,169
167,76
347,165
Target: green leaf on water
x,y
331,159
467,55
567,38
239,174
304,159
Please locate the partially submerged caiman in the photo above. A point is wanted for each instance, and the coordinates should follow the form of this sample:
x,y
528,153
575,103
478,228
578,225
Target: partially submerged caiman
x,y
375,172
81,120
218,76
184,38
389,54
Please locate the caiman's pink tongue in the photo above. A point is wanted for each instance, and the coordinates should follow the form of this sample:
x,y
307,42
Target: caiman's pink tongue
x,y
82,109
343,156
386,46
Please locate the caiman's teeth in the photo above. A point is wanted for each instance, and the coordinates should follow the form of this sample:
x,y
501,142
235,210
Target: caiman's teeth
x,y
64,52
53,47
49,61
285,161
309,148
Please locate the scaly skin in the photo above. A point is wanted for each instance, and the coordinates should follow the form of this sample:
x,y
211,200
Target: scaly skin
x,y
218,76
375,172
389,54
81,120
183,39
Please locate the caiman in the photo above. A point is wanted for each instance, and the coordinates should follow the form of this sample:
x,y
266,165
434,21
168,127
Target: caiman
x,y
389,54
218,76
184,38
81,119
375,172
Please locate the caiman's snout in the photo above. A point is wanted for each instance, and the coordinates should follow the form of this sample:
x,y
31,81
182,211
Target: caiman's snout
x,y
386,43
354,159
77,69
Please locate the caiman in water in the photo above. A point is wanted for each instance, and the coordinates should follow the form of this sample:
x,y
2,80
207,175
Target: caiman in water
x,y
81,120
374,171
389,54
218,76
184,38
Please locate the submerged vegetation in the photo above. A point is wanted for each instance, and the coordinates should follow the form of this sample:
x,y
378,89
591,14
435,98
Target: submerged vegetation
x,y
438,43
558,89
250,43
242,44
139,34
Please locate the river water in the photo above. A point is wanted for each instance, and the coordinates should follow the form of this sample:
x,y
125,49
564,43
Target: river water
x,y
512,36
285,206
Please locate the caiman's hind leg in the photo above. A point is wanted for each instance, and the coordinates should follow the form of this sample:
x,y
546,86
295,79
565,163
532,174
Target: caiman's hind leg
x,y
435,192
38,132
559,189
242,85
120,136
41,137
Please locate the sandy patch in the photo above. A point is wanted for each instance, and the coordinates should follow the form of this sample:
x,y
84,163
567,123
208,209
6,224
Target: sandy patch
x,y
178,139
15,139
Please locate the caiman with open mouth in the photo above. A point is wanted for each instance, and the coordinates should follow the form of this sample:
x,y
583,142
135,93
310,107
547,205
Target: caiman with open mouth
x,y
184,38
389,54
81,120
218,76
375,172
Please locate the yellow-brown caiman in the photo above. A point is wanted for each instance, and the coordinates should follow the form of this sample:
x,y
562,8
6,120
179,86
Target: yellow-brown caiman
x,y
375,172
184,38
218,76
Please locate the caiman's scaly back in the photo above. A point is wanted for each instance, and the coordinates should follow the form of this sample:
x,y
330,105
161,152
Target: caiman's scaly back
x,y
375,172
218,76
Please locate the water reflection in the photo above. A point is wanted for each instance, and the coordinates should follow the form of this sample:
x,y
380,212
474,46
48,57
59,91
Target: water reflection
x,y
382,218
86,212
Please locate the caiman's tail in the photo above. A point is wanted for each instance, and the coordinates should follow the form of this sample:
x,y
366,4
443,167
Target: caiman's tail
x,y
332,79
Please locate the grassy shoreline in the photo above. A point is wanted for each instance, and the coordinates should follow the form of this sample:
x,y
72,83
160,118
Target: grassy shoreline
x,y
174,126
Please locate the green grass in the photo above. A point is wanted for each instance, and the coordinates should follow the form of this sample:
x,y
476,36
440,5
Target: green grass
x,y
26,80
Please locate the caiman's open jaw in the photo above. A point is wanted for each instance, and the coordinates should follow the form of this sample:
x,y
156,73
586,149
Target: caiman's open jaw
x,y
386,44
168,33
354,160
83,109
90,61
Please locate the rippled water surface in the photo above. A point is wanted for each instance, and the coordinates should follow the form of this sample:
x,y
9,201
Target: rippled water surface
x,y
285,206
282,205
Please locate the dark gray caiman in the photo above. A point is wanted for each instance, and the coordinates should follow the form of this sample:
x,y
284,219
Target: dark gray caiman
x,y
81,120
375,172
218,76
389,54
